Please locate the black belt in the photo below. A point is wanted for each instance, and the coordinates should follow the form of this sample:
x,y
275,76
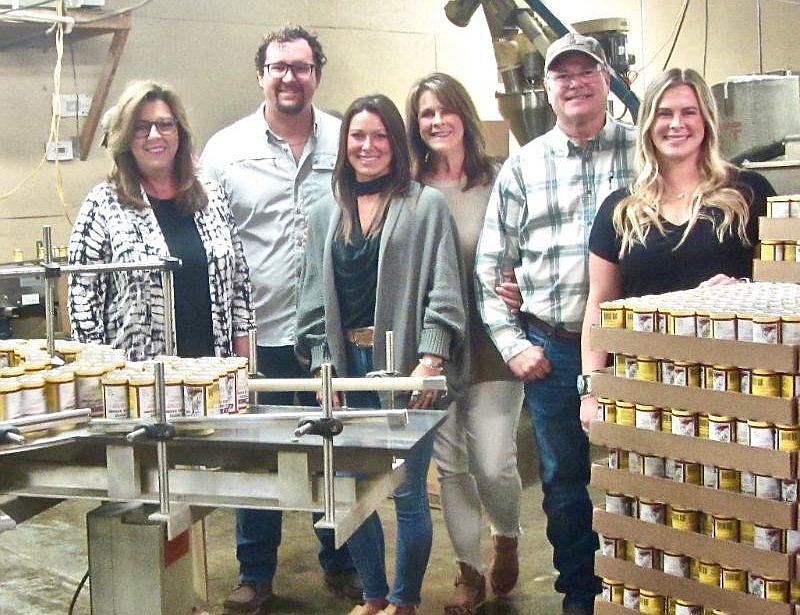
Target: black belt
x,y
549,330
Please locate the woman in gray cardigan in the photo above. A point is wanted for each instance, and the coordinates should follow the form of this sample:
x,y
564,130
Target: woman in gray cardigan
x,y
382,257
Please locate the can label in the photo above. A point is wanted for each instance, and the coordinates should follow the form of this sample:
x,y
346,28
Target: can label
x,y
652,512
723,328
625,414
651,603
728,480
761,435
684,519
686,374
612,547
726,528
734,579
708,573
685,608
767,332
789,490
676,564
768,487
687,472
630,598
724,379
767,538
650,465
617,459
612,591
765,384
645,557
612,317
684,424
721,429
648,417
667,371
776,590
115,401
788,437
618,504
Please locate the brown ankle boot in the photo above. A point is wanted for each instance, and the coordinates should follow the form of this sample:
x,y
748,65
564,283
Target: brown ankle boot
x,y
504,570
470,592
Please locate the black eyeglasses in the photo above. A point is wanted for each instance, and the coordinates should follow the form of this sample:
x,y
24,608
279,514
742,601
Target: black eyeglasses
x,y
166,126
300,70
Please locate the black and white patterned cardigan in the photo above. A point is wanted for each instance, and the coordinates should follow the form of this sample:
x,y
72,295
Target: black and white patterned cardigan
x,y
126,309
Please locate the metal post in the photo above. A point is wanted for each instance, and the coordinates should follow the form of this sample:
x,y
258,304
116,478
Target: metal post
x,y
49,291
161,445
759,34
326,373
390,362
168,285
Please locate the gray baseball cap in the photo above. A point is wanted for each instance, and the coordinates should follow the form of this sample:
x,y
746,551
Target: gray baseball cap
x,y
572,41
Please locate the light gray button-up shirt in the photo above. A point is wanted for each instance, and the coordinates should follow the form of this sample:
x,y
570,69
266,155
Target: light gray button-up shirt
x,y
269,194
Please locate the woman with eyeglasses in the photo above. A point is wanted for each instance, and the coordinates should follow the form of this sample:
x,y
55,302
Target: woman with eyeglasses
x,y
475,450
382,257
153,205
688,219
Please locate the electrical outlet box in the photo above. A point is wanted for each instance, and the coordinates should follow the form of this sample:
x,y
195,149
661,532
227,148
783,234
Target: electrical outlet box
x,y
60,150
74,105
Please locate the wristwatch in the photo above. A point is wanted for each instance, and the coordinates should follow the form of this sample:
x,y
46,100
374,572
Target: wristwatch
x,y
584,384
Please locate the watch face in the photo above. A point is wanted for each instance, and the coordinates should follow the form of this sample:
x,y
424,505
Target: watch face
x,y
583,384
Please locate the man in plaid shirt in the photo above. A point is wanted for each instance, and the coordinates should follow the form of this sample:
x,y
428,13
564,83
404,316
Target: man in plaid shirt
x,y
538,222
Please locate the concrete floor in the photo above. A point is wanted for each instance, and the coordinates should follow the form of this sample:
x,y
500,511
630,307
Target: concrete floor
x,y
43,560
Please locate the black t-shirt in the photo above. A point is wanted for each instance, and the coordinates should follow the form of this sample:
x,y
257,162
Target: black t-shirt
x,y
355,271
657,267
193,333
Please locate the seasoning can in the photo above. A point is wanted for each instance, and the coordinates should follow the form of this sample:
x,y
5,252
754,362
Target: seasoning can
x,y
173,394
790,329
651,465
794,591
666,420
625,413
142,395
619,504
684,607
789,490
767,538
778,207
721,428
646,557
617,459
733,579
115,395
612,315
651,511
728,479
792,544
88,390
59,386
776,590
606,410
631,367
686,374
762,434
708,573
787,437
684,519
746,532
771,250
703,320
724,378
647,369
745,381
644,319
197,395
612,547
648,417
702,426
6,354
755,584
706,523
612,591
682,322
789,251
630,597
633,462
710,477
675,564
723,325
766,329
767,487
667,369
790,385
744,327
10,399
650,603
227,390
747,482
742,432
620,361
725,528
687,472
765,383
684,422
242,386
33,399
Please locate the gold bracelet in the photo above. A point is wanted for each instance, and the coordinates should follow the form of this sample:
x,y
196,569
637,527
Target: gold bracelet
x,y
428,362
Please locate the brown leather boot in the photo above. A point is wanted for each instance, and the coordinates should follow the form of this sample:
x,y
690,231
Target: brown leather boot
x,y
470,592
504,570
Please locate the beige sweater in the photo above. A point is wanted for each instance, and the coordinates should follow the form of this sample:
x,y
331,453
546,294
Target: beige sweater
x,y
468,210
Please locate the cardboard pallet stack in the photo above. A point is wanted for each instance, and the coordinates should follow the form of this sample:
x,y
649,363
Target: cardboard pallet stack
x,y
715,502
779,234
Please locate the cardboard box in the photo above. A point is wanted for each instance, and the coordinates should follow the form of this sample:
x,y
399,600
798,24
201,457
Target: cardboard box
x,y
706,401
724,552
779,229
696,497
780,464
601,607
776,271
679,587
776,357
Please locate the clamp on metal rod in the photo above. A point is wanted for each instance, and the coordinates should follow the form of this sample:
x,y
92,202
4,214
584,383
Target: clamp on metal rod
x,y
11,435
326,372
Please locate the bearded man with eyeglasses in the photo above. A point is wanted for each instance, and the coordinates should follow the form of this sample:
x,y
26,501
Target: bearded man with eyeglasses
x,y
537,223
273,164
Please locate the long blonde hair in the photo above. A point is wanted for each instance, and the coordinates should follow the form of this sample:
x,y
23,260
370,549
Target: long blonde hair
x,y
125,174
635,215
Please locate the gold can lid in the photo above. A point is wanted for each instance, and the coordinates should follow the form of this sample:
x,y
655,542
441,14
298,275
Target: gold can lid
x,y
32,381
59,375
726,368
646,407
198,379
764,372
624,404
765,318
787,427
142,379
11,372
114,378
9,385
790,317
719,418
722,315
604,400
90,369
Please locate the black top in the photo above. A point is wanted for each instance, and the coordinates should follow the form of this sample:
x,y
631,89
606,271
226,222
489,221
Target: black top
x,y
355,269
193,333
658,268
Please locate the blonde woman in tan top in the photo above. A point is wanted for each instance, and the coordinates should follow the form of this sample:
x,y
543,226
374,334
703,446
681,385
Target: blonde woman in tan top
x,y
475,449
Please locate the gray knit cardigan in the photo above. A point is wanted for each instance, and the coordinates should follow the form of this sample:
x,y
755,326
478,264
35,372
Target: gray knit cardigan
x,y
419,293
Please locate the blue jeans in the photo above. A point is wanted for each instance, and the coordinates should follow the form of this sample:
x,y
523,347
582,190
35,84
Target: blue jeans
x,y
564,469
414,527
258,532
